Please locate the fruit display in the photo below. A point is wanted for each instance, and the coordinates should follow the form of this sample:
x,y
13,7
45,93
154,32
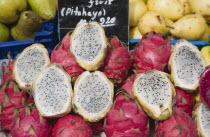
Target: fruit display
x,y
21,19
187,19
92,85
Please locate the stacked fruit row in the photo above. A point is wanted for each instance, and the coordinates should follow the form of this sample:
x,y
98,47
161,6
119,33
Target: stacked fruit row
x,y
91,84
178,18
21,19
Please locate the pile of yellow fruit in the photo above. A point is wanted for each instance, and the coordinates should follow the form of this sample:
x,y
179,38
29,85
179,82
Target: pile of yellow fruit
x,y
186,19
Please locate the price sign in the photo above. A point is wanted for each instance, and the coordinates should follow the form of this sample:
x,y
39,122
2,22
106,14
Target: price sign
x,y
111,14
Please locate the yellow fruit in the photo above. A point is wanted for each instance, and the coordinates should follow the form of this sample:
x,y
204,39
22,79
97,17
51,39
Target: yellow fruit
x,y
137,8
205,36
172,9
153,21
186,5
190,27
134,33
205,51
201,7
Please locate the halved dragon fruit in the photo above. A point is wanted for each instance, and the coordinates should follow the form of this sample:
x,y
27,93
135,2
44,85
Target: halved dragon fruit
x,y
29,63
155,93
204,86
93,95
202,118
126,118
179,124
186,65
52,91
71,126
89,45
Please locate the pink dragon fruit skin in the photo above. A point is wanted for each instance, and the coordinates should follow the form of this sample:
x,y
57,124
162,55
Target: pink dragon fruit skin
x,y
11,100
185,101
117,62
204,86
180,124
66,41
61,55
153,52
126,119
31,124
97,127
71,126
127,85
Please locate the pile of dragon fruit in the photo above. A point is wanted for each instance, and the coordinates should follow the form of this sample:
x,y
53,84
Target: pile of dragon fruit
x,y
90,84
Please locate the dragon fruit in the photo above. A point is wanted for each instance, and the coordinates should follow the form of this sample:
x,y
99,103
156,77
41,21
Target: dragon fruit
x,y
153,52
126,118
31,124
61,55
93,95
71,126
52,91
204,86
8,69
155,93
185,101
202,118
186,65
117,62
128,84
180,124
97,127
11,100
89,45
29,63
66,41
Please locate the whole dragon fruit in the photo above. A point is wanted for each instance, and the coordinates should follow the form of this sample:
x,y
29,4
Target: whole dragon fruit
x,y
11,100
180,124
126,118
185,101
31,124
7,70
153,52
71,126
204,86
61,55
127,85
117,62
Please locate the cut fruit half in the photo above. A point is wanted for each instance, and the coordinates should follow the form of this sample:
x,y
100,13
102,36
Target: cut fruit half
x,y
93,95
89,45
29,63
186,64
202,118
52,92
155,93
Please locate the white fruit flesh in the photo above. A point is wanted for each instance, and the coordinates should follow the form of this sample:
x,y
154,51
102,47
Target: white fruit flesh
x,y
93,95
202,116
88,45
186,64
155,93
29,63
52,91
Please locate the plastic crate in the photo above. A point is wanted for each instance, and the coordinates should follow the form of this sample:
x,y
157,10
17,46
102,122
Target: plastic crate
x,y
45,37
199,44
